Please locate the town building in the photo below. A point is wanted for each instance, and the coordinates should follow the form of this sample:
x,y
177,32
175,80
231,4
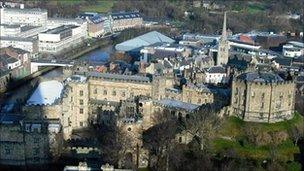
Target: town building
x,y
262,97
27,142
216,75
124,20
58,39
293,49
98,24
30,17
27,44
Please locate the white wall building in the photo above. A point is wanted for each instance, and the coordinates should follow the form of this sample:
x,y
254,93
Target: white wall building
x,y
33,17
293,49
63,37
9,30
27,44
216,75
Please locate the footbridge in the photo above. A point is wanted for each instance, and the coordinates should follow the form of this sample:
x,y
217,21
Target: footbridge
x,y
35,64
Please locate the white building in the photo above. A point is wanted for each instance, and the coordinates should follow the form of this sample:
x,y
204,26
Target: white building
x,y
293,49
33,17
9,30
27,44
216,75
63,37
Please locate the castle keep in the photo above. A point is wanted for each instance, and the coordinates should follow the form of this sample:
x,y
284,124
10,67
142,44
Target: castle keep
x,y
262,97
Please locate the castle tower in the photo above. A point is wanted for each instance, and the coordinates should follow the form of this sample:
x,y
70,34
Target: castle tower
x,y
223,46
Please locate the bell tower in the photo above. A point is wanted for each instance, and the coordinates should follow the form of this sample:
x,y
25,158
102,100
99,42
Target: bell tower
x,y
223,46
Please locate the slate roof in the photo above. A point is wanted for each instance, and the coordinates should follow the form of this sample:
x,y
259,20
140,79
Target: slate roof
x,y
260,77
6,59
283,61
170,103
217,69
125,15
120,77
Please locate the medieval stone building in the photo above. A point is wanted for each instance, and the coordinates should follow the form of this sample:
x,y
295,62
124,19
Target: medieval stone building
x,y
262,97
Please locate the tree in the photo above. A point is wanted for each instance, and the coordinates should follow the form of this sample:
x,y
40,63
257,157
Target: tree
x,y
203,124
159,140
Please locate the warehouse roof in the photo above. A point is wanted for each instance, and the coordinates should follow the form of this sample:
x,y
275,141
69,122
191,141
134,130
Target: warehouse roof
x,y
143,40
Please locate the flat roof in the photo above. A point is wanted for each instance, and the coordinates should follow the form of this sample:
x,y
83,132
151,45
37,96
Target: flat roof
x,y
46,93
26,10
59,29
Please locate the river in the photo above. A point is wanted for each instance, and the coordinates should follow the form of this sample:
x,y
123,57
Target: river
x,y
16,98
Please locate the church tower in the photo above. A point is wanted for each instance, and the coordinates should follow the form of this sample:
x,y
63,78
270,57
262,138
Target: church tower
x,y
223,46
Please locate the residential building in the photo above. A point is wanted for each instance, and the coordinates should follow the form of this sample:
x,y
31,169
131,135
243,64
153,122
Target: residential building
x,y
124,20
216,75
27,44
31,17
293,49
58,39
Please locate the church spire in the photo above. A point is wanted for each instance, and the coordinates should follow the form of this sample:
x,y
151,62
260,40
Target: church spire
x,y
224,32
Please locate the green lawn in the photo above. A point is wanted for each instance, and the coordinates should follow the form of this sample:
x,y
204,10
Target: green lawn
x,y
233,125
102,7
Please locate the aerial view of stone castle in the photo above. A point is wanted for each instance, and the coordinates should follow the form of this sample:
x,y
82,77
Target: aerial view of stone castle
x,y
151,85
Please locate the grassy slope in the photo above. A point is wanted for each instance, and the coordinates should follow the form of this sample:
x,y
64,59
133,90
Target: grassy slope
x,y
232,128
102,6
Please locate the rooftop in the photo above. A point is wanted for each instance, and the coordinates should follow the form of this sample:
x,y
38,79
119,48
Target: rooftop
x,y
6,59
46,93
120,77
59,29
177,104
216,69
260,77
125,15
26,10
143,40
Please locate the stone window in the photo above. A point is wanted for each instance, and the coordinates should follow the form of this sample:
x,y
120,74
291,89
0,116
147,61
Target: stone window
x,y
81,93
105,92
199,101
81,124
81,111
71,99
180,139
114,93
252,94
95,91
80,102
173,113
36,140
36,151
123,94
263,96
262,105
7,151
129,129
261,115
